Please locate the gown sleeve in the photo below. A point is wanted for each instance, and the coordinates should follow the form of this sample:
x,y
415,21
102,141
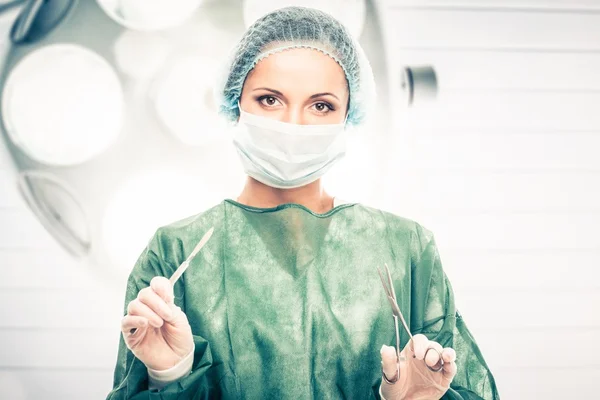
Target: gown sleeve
x,y
131,375
434,314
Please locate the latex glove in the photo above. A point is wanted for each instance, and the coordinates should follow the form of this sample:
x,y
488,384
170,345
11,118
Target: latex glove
x,y
163,336
416,381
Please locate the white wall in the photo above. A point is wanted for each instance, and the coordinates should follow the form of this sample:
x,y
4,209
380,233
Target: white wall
x,y
503,169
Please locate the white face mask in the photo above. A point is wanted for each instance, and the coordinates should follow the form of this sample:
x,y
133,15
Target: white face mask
x,y
284,155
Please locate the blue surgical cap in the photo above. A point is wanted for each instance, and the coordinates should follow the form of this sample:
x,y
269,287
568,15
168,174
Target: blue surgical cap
x,y
297,27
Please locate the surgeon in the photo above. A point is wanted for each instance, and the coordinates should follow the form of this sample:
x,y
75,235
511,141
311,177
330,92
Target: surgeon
x,y
285,301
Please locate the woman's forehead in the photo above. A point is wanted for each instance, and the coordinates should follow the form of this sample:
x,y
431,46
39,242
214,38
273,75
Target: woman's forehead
x,y
299,69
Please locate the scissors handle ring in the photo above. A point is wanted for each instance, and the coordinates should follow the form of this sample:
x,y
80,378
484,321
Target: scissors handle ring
x,y
441,362
394,380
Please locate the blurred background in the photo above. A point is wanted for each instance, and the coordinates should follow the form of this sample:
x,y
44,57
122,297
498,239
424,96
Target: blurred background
x,y
487,132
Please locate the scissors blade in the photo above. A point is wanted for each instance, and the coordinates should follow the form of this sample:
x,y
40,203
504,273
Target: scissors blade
x,y
395,309
181,269
387,292
404,324
391,295
391,282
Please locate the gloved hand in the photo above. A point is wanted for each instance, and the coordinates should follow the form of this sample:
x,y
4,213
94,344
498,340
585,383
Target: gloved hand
x,y
163,335
417,382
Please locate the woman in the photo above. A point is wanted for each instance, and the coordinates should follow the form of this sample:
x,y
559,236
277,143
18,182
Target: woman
x,y
284,301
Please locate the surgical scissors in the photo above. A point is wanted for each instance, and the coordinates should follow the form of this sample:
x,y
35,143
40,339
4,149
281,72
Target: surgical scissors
x,y
397,314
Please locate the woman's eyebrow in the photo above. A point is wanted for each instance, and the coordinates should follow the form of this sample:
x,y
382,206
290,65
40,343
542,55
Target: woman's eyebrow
x,y
324,94
270,90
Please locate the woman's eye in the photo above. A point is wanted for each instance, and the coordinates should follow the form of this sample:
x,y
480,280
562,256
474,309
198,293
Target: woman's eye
x,y
268,101
323,108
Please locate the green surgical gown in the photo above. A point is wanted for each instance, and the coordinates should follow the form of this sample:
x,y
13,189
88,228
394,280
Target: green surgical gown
x,y
285,303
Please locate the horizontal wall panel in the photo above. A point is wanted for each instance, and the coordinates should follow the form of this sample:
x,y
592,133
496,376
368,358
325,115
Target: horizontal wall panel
x,y
9,194
529,309
506,71
21,229
6,164
509,111
505,271
436,149
61,309
59,348
551,382
64,384
522,348
473,190
550,232
489,29
27,269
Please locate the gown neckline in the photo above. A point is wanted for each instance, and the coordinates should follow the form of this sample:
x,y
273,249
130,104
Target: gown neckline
x,y
337,206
